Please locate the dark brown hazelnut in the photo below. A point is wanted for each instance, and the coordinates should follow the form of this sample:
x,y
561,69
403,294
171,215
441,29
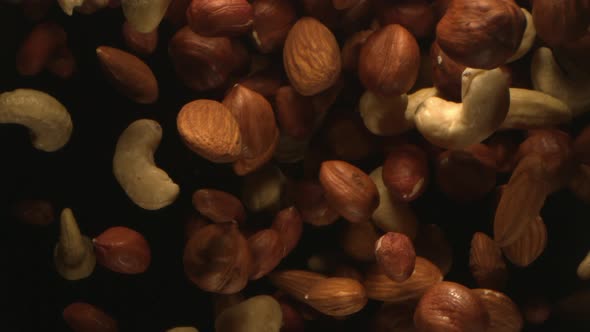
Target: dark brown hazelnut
x,y
558,22
216,18
418,16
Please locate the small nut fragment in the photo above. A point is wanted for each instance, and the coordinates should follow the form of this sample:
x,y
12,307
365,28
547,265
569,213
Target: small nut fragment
x,y
138,42
266,249
504,314
258,313
144,16
405,172
81,317
73,255
396,256
219,206
337,296
529,245
486,263
122,250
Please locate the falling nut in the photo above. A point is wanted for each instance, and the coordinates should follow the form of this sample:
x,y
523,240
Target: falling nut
x,y
504,314
266,249
122,250
405,172
81,317
138,42
337,296
144,16
219,206
529,245
396,256
73,255
263,189
486,263
289,225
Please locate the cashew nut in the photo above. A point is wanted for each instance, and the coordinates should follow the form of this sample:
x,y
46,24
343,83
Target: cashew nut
x,y
528,38
133,165
260,313
143,15
47,119
530,109
83,6
74,254
548,77
450,125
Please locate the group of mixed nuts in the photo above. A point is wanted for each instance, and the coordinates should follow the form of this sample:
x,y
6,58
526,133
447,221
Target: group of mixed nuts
x,y
457,90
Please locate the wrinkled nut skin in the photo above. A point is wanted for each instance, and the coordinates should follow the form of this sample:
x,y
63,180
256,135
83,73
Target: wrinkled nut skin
x,y
272,21
122,250
529,246
84,317
559,22
295,113
217,18
311,57
289,225
486,263
140,43
351,50
448,306
504,314
405,172
337,296
310,200
389,61
217,259
396,256
266,248
482,33
358,241
37,49
446,73
34,212
348,190
209,129
219,206
417,16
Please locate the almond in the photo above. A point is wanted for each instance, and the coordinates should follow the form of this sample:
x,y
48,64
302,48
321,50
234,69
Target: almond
x,y
529,246
289,225
311,57
504,314
486,263
80,317
396,256
219,206
122,250
296,283
130,76
337,296
266,248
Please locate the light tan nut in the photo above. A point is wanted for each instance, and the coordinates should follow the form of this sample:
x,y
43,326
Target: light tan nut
x,y
528,38
73,255
530,109
259,313
82,6
144,16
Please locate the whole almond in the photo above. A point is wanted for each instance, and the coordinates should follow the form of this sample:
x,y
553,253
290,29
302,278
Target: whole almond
x,y
381,288
267,251
396,256
348,190
504,314
295,113
38,47
311,57
296,283
210,129
122,250
486,263
272,21
219,17
289,225
529,246
129,75
219,206
405,172
140,43
85,317
337,296
358,241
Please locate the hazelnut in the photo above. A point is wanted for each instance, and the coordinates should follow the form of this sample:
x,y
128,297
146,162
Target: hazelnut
x,y
559,22
396,256
405,172
272,21
417,16
309,198
216,18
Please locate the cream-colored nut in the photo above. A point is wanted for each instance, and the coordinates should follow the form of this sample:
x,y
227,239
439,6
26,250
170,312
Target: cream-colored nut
x,y
584,268
73,255
82,6
143,15
530,109
133,165
528,38
263,189
450,125
183,329
388,116
571,86
257,314
47,119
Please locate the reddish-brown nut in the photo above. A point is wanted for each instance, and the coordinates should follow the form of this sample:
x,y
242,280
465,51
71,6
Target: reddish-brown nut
x,y
122,250
405,172
546,142
323,11
265,82
216,18
504,146
347,137
210,129
129,75
481,34
310,200
446,73
34,212
311,57
448,306
529,246
337,296
39,46
432,244
217,259
389,61
219,206
289,225
84,317
348,190
193,223
504,314
267,251
358,241
176,12
272,21
344,4
292,319
396,256
558,22
417,16
486,263
138,42
351,50
582,146
357,17
295,113
63,63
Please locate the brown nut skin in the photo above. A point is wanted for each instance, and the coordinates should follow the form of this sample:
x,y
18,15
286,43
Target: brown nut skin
x,y
34,212
219,18
219,206
266,248
140,43
337,296
559,22
546,142
482,33
394,318
529,246
289,225
486,263
504,314
352,49
448,306
309,198
85,317
358,241
62,64
272,21
405,172
311,57
210,129
192,224
295,113
122,250
217,259
446,73
176,12
418,16
389,61
396,256
348,190
38,47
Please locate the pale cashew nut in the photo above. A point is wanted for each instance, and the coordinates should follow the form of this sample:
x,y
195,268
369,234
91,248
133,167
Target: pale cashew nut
x,y
133,165
450,125
548,77
73,255
528,38
260,313
144,15
530,109
48,120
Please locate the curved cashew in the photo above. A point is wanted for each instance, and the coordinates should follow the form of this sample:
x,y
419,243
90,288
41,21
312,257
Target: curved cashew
x,y
528,38
47,119
450,125
548,77
133,165
143,15
74,254
530,109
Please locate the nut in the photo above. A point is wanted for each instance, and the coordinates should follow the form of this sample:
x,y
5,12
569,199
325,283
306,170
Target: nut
x,y
176,12
529,246
530,109
311,57
267,251
504,314
295,113
432,244
528,38
138,42
62,64
358,241
37,49
289,225
133,166
448,306
337,296
581,146
80,316
272,21
144,16
389,61
220,17
486,263
210,129
192,224
219,206
504,146
481,34
405,172
258,313
263,189
122,250
34,212
217,259
348,190
415,15
310,200
73,255
225,301
265,82
396,256
446,73
130,76
296,283
351,50
183,329
292,319
558,22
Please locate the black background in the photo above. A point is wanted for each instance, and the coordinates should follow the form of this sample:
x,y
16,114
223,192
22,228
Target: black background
x,y
80,177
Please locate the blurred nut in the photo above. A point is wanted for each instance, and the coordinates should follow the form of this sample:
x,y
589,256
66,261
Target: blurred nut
x,y
347,138
295,113
141,43
352,48
83,317
415,15
289,225
122,250
337,296
34,212
263,189
219,206
432,244
258,313
558,22
504,314
38,47
529,246
267,251
310,200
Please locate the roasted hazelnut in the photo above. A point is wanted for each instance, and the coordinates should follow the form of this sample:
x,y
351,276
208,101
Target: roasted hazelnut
x,y
405,172
396,256
216,18
272,21
352,49
559,22
417,16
